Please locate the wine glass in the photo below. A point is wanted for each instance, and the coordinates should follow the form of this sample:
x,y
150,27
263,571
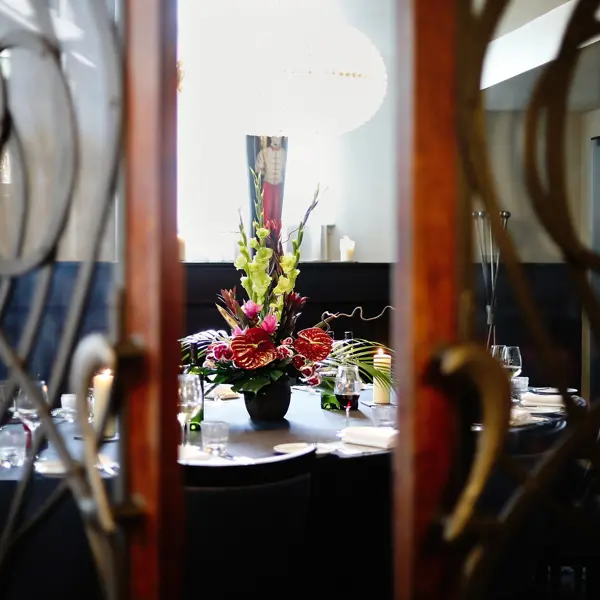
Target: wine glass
x,y
190,402
27,410
512,361
347,389
497,352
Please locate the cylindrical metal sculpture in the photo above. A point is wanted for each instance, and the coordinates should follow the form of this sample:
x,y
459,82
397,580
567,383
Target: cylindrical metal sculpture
x,y
489,256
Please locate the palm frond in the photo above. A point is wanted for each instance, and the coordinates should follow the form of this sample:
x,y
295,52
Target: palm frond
x,y
359,353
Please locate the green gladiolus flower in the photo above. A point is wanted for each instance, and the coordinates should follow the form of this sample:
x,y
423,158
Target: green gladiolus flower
x,y
284,285
240,262
262,233
247,285
263,256
254,244
288,262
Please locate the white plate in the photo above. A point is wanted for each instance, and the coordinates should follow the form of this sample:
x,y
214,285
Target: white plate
x,y
544,410
50,468
549,391
55,468
293,447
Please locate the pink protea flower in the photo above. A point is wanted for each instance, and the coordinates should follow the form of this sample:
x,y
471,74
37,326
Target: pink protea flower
x,y
269,324
307,370
284,352
238,331
314,380
288,341
251,309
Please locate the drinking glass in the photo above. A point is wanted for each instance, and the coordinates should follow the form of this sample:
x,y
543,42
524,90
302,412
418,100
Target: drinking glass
x,y
191,402
347,386
26,408
384,415
13,444
68,407
214,436
519,385
497,352
512,361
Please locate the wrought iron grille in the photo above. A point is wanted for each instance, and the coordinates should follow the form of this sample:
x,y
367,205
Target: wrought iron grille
x,y
487,538
39,43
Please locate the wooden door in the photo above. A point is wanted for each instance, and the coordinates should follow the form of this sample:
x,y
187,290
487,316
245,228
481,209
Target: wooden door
x,y
445,546
89,125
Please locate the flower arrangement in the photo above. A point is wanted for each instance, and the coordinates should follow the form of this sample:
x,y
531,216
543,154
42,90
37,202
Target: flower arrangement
x,y
263,346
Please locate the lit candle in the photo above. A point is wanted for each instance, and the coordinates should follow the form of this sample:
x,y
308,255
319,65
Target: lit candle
x,y
181,243
102,386
346,249
382,362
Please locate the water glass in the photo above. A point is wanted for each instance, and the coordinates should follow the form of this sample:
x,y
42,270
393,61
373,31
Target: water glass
x,y
214,436
68,407
13,444
519,385
384,415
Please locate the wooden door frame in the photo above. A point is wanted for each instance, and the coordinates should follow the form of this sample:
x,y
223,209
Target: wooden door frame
x,y
154,305
425,282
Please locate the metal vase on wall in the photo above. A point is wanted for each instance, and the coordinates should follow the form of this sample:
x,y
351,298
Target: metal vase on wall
x,y
267,156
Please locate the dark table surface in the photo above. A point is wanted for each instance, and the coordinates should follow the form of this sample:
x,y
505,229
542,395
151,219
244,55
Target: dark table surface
x,y
305,421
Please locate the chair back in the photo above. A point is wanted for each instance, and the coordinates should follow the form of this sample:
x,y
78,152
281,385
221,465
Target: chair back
x,y
246,528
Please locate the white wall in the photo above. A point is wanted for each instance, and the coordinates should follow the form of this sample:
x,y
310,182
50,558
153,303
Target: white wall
x,y
358,168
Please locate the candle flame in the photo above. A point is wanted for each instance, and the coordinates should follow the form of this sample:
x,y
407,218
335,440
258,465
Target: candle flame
x,y
380,352
106,372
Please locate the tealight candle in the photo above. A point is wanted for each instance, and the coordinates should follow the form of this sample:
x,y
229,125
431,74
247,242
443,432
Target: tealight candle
x,y
382,362
102,386
347,249
181,243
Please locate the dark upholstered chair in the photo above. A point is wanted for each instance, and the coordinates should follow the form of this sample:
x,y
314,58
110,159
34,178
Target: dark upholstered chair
x,y
245,529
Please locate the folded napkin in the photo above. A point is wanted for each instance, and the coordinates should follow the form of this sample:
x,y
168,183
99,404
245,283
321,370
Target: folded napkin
x,y
223,391
375,437
531,399
520,416
190,453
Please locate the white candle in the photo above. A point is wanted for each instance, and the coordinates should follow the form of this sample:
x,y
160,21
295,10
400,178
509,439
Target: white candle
x,y
347,249
102,386
181,243
382,362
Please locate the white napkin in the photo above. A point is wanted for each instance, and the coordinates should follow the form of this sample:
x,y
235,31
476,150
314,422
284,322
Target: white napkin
x,y
190,453
531,399
223,391
375,437
520,416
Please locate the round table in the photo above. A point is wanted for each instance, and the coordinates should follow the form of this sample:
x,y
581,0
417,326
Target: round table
x,y
305,421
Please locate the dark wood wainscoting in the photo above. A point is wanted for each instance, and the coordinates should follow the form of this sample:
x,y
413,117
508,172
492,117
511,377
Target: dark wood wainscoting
x,y
335,287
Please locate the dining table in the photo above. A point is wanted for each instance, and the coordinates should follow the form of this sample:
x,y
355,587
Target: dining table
x,y
351,488
305,422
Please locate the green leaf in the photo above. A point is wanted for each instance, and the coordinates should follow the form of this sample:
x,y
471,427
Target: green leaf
x,y
253,385
275,374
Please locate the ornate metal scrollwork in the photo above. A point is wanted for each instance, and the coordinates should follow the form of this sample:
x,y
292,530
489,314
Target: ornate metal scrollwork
x,y
548,196
82,479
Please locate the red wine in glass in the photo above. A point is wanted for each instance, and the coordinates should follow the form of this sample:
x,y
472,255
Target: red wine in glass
x,y
348,399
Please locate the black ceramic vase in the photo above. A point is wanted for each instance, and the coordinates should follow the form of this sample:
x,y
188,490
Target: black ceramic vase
x,y
271,403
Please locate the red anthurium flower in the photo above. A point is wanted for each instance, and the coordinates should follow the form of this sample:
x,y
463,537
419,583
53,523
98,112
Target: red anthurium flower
x,y
313,343
253,349
298,361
